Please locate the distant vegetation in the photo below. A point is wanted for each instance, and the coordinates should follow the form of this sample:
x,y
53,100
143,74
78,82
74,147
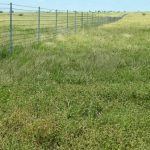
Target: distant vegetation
x,y
144,14
20,14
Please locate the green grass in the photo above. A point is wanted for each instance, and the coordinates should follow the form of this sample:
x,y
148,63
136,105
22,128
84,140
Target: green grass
x,y
86,91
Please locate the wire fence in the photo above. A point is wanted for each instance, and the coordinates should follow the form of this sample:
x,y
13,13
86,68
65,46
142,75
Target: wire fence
x,y
21,24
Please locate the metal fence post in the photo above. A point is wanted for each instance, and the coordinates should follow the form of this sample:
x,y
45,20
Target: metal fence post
x,y
98,18
82,23
92,19
39,21
56,25
75,22
11,29
67,21
95,18
87,19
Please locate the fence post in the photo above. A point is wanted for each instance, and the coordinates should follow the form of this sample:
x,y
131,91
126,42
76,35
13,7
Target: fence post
x,y
92,20
75,22
11,30
82,25
39,21
98,18
67,21
56,25
87,19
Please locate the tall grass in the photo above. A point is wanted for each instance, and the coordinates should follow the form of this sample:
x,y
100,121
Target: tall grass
x,y
85,91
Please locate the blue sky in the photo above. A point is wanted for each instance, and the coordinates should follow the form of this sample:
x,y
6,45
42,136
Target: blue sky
x,y
128,5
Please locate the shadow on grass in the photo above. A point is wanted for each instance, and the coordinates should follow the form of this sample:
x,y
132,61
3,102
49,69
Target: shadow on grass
x,y
4,53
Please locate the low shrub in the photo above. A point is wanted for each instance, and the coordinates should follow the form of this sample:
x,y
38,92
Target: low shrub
x,y
20,15
144,14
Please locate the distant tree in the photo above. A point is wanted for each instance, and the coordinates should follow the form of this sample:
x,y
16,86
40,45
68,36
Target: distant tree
x,y
144,14
1,11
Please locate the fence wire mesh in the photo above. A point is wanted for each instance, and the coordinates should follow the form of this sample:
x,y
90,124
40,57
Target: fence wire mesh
x,y
20,24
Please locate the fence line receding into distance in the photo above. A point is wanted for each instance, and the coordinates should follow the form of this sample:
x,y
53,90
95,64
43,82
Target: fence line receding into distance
x,y
21,24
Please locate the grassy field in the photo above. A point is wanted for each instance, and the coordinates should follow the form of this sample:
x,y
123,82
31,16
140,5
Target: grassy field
x,y
87,91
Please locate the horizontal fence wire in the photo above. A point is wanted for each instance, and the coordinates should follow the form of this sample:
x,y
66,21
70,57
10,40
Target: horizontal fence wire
x,y
21,24
4,4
